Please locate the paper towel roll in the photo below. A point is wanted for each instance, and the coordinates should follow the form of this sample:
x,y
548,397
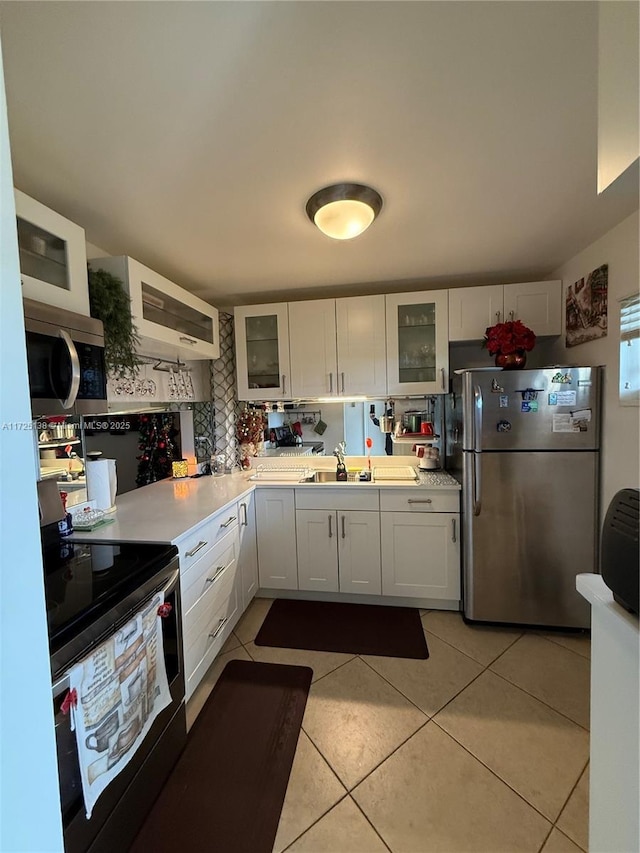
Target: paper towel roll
x,y
102,483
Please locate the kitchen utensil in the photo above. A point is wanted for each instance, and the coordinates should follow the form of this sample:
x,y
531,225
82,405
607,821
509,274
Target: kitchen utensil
x,y
320,427
369,443
413,421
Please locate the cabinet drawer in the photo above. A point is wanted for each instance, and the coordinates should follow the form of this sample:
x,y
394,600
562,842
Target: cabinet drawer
x,y
414,500
203,620
195,544
199,656
208,571
321,497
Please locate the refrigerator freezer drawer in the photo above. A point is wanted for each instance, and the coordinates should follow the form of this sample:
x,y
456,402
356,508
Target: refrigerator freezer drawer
x,y
536,530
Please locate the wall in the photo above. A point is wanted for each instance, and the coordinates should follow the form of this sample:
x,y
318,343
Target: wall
x,y
620,465
29,799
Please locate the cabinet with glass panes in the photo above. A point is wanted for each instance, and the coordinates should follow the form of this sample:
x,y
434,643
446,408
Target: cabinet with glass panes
x,y
262,351
417,343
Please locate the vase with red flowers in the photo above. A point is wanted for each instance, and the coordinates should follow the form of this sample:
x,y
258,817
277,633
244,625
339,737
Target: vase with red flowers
x,y
509,343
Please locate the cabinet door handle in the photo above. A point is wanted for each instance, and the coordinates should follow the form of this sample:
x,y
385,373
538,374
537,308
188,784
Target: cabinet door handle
x,y
219,570
221,625
245,517
344,533
229,521
453,530
284,383
331,383
330,527
512,315
195,550
188,340
422,501
442,378
498,313
342,375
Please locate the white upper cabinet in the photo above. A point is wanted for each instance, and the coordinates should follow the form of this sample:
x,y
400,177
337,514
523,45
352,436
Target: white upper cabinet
x,y
171,321
537,303
338,347
362,349
417,343
312,343
53,256
473,309
262,352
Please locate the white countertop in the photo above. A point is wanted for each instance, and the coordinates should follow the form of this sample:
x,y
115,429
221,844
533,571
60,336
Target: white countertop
x,y
594,589
165,511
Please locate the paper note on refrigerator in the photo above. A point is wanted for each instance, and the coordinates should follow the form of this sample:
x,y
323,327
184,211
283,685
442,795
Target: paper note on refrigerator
x,y
564,423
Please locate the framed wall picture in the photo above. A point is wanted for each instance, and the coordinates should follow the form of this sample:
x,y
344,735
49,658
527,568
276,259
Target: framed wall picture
x,y
586,304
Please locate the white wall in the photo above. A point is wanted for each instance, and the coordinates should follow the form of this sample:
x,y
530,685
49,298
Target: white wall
x,y
29,799
621,424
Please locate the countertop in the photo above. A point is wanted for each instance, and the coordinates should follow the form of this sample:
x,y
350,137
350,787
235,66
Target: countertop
x,y
165,511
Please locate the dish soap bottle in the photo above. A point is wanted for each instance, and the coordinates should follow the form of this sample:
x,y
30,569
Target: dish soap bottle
x,y
65,526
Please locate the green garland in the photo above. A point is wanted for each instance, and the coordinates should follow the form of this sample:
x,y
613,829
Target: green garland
x,y
110,303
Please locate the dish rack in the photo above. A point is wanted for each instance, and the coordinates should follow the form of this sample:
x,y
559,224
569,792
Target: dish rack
x,y
285,473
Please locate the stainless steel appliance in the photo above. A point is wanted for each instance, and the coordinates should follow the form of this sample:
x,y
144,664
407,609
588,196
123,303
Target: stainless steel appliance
x,y
525,446
91,590
65,356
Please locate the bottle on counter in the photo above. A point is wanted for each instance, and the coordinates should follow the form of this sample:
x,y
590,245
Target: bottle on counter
x,y
65,527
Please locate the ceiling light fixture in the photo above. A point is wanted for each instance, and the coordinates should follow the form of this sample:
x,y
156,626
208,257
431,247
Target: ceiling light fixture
x,y
344,211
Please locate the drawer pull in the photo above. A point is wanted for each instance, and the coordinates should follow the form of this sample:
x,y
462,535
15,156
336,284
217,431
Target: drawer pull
x,y
245,517
416,501
188,340
453,530
229,521
221,625
344,533
219,570
195,550
330,527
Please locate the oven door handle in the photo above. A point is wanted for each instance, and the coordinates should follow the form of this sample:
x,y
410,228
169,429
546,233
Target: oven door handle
x,y
74,385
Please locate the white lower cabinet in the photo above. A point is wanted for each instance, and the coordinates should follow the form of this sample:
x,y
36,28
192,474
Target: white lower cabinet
x,y
421,554
276,534
248,549
338,551
420,535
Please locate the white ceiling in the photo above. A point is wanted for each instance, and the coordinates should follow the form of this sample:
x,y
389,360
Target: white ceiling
x,y
189,135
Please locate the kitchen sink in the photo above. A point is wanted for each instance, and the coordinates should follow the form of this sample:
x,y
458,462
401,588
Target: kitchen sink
x,y
324,477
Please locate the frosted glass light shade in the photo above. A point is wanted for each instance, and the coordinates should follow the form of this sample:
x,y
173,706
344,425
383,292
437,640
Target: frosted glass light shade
x,y
344,211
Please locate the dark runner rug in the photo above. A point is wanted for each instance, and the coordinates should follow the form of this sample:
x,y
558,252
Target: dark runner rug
x,y
363,629
225,793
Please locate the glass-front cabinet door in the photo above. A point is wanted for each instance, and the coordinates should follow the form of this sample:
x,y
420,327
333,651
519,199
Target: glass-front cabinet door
x,y
417,343
53,256
262,352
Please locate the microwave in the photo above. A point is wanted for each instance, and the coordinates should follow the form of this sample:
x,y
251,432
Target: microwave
x,y
65,358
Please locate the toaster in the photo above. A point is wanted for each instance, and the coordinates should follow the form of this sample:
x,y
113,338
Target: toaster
x,y
619,556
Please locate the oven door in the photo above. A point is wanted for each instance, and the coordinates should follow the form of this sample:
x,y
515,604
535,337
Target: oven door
x,y
123,805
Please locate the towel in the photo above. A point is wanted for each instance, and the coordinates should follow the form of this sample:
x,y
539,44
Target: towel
x,y
121,687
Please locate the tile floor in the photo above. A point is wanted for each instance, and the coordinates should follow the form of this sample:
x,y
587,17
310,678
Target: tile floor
x,y
482,747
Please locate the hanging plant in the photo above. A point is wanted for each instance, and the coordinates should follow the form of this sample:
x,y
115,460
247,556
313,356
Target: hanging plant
x,y
110,303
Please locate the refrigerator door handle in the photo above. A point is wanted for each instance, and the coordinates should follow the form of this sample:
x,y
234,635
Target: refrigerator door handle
x,y
477,483
477,418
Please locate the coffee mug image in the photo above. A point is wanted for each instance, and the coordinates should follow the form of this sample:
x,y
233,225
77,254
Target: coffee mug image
x,y
99,739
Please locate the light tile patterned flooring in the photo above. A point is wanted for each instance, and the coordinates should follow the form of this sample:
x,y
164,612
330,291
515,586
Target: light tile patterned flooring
x,y
482,747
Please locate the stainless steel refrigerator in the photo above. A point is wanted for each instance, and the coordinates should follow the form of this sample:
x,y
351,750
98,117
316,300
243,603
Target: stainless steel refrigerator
x,y
525,446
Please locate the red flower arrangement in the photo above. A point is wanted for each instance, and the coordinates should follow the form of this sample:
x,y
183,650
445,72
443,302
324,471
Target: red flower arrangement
x,y
509,338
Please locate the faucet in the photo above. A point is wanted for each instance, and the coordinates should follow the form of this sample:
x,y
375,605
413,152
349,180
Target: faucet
x,y
340,451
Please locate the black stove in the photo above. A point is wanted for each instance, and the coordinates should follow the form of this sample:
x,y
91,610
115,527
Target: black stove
x,y
84,580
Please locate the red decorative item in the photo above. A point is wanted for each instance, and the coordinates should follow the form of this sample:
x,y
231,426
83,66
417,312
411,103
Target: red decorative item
x,y
509,342
69,701
164,610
